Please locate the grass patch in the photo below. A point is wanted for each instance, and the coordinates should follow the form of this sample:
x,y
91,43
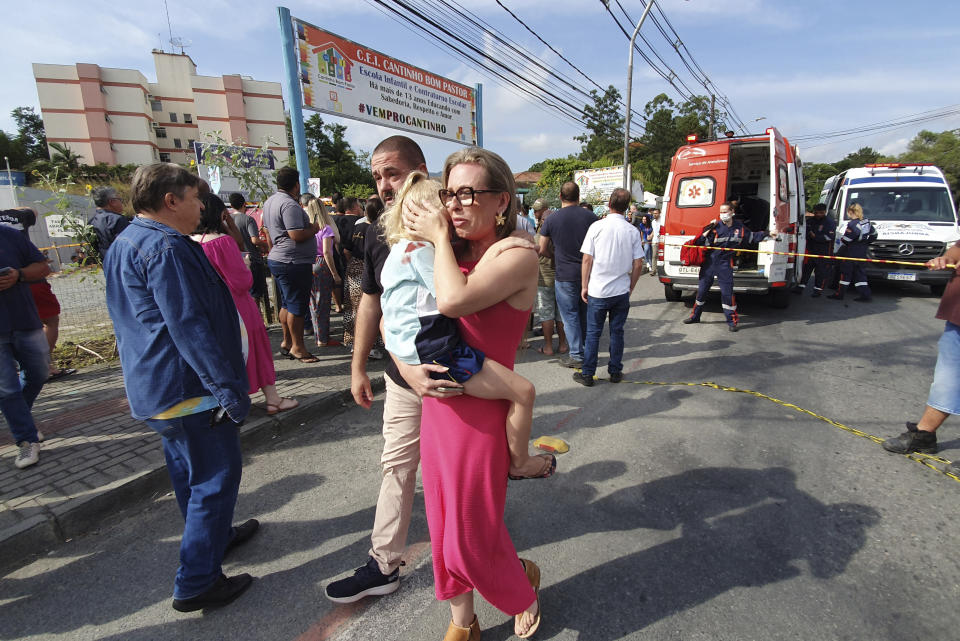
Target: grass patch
x,y
85,352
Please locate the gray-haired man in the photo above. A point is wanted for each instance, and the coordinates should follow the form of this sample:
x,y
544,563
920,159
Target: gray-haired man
x,y
109,221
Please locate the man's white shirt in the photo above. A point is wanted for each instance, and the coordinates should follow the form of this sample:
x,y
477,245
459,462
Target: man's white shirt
x,y
614,244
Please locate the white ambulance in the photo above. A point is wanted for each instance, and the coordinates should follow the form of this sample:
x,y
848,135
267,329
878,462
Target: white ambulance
x,y
913,211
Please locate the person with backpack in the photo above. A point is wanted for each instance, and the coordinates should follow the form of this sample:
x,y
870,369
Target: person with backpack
x,y
858,233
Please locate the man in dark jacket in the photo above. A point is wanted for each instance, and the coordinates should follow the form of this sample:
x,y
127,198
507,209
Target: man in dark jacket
x,y
821,231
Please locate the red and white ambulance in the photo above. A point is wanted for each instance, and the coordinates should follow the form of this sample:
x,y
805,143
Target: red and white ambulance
x,y
763,175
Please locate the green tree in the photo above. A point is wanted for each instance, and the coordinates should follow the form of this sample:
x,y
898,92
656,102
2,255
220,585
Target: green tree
x,y
814,175
942,149
858,158
605,125
665,130
553,173
30,133
65,159
249,170
13,150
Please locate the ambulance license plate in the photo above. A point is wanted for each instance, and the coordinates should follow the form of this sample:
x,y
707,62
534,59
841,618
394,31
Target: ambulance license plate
x,y
688,269
911,276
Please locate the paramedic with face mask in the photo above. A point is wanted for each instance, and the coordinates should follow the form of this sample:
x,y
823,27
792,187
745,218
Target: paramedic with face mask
x,y
718,263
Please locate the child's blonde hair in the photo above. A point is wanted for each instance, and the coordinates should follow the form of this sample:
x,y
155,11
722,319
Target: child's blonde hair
x,y
855,211
417,186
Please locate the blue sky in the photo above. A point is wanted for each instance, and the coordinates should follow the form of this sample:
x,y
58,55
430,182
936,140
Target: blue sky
x,y
805,67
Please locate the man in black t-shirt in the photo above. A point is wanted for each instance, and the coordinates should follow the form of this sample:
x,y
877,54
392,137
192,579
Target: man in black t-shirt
x,y
391,162
567,227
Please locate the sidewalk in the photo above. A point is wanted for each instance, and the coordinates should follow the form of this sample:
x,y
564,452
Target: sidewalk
x,y
98,461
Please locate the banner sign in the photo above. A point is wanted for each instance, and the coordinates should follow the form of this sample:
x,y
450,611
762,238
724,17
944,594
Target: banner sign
x,y
598,184
340,77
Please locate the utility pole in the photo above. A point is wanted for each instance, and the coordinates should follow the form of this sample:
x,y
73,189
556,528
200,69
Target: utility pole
x,y
626,124
713,115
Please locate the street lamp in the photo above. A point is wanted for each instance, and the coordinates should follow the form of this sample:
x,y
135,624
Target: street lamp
x,y
626,125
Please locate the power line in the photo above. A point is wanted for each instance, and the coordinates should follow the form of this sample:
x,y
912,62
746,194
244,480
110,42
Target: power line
x,y
548,109
895,123
476,56
562,57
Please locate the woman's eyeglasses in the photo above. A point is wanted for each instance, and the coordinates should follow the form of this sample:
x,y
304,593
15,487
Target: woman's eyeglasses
x,y
465,195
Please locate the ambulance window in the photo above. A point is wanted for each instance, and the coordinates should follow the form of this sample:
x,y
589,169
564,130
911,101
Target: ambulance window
x,y
784,186
696,192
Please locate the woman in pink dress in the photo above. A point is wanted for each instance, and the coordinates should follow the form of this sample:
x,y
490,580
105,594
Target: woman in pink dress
x,y
463,445
221,242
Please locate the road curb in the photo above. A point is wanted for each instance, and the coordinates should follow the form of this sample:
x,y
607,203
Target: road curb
x,y
41,533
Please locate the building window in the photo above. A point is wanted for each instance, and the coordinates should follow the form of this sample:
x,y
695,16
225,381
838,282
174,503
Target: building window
x,y
161,132
177,143
155,105
187,118
164,156
173,117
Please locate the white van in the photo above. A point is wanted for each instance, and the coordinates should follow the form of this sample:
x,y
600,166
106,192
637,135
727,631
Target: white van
x,y
913,211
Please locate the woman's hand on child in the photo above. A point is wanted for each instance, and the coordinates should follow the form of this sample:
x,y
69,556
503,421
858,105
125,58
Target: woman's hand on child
x,y
425,221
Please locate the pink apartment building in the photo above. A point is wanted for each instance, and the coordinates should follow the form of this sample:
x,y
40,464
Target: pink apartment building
x,y
116,116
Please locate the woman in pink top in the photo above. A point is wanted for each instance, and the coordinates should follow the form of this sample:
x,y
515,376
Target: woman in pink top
x,y
463,446
325,275
221,242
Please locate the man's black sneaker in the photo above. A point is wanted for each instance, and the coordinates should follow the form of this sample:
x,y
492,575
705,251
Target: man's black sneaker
x,y
913,440
797,290
815,294
367,580
690,320
616,377
732,328
572,363
221,593
241,534
586,381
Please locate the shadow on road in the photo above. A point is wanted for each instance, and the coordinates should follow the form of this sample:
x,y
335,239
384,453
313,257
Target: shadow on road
x,y
737,528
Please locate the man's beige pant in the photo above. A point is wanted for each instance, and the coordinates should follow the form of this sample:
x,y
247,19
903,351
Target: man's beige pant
x,y
400,459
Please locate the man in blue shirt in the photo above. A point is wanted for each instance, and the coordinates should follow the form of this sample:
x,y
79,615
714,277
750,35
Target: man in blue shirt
x,y
178,335
21,341
567,227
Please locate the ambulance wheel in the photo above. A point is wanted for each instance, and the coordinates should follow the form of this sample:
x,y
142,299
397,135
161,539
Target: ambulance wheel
x,y
780,298
671,294
937,290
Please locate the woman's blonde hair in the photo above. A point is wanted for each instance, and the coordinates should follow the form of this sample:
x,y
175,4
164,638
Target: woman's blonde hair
x,y
318,214
498,176
417,186
855,211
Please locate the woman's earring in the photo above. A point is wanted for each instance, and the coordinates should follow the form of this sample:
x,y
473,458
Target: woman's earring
x,y
501,219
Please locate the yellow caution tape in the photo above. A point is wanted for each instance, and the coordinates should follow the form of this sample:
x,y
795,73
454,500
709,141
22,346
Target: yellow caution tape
x,y
802,255
937,463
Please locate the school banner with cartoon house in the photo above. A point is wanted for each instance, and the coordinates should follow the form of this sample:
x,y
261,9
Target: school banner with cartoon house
x,y
340,77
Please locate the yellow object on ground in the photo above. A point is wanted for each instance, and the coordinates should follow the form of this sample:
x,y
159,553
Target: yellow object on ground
x,y
551,444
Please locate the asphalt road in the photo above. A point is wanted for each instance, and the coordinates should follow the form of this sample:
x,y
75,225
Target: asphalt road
x,y
680,512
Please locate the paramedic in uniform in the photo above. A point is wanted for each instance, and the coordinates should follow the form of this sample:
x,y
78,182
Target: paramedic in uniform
x,y
820,235
725,233
858,233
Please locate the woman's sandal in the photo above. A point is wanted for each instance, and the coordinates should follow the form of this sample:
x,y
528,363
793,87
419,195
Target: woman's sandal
x,y
279,407
533,575
456,633
550,466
